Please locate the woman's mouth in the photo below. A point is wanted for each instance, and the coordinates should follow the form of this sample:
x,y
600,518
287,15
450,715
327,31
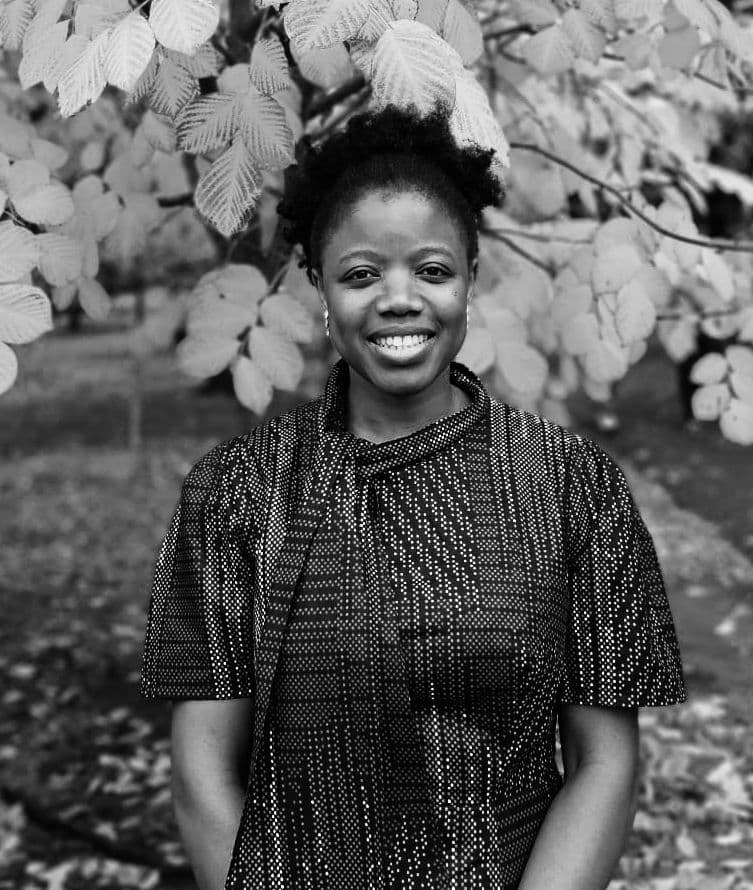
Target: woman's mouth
x,y
397,348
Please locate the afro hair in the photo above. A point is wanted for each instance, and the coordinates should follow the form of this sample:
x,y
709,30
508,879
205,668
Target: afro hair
x,y
390,148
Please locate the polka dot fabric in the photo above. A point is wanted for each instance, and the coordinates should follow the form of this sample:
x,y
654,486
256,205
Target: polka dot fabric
x,y
406,617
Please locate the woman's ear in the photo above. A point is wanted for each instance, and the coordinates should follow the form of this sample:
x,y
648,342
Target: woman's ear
x,y
316,279
473,277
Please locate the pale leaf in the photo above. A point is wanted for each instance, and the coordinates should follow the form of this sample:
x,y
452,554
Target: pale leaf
x,y
60,258
710,368
740,358
205,62
252,387
92,155
48,153
635,316
588,40
49,205
523,367
614,267
84,80
268,67
288,317
92,18
183,25
15,16
430,13
413,66
205,356
736,422
731,181
129,237
145,83
700,15
172,88
262,125
320,23
62,60
62,297
8,367
234,79
550,51
537,13
39,53
25,313
633,9
382,12
26,176
226,193
461,29
327,67
570,301
580,333
472,120
159,131
19,251
718,273
93,298
129,51
239,283
206,122
742,386
279,358
605,362
477,351
15,137
677,49
600,12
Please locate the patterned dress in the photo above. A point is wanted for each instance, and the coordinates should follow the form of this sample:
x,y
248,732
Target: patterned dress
x,y
406,616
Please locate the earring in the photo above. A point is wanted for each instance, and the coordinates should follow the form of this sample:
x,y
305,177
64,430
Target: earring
x,y
326,321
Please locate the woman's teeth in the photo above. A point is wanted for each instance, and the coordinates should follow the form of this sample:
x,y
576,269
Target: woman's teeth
x,y
401,342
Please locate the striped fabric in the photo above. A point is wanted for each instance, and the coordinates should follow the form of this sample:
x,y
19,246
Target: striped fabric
x,y
406,616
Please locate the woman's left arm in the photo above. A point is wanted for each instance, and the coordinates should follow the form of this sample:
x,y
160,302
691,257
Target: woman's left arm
x,y
587,825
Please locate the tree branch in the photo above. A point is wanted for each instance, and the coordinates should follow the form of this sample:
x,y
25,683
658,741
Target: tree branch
x,y
708,313
537,236
329,100
494,233
183,200
714,243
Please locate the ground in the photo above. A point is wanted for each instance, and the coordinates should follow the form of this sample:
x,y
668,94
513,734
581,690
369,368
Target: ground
x,y
84,765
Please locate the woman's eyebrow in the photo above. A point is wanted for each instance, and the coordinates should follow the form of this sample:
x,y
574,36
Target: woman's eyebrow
x,y
370,253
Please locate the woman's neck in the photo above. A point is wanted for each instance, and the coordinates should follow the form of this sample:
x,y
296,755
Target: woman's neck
x,y
392,420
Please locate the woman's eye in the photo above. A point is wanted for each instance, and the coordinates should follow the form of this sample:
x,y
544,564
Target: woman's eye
x,y
435,271
360,275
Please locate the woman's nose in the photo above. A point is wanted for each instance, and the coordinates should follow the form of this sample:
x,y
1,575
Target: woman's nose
x,y
399,288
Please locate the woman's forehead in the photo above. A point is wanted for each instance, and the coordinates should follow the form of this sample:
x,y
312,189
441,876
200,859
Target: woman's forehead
x,y
401,218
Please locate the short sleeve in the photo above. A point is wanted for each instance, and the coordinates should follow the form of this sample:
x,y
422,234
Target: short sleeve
x,y
199,637
621,645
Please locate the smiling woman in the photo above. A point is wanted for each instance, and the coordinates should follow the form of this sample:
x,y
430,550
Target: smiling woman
x,y
404,588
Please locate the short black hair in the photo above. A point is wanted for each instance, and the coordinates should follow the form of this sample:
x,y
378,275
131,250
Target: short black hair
x,y
392,147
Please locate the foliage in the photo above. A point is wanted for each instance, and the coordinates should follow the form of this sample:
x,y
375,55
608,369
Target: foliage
x,y
602,115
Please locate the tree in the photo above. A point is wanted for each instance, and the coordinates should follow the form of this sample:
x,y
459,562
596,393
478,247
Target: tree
x,y
602,114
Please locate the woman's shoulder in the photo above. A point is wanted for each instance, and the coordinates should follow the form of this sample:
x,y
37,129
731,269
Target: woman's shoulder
x,y
250,459
531,437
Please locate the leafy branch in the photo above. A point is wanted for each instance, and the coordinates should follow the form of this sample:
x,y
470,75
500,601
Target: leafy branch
x,y
714,243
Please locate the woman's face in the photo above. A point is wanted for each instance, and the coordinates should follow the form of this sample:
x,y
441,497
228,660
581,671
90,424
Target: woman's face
x,y
396,264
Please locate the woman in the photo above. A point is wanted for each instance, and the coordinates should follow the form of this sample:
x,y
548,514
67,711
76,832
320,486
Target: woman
x,y
372,612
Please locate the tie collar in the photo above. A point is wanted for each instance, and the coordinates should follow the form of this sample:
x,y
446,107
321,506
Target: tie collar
x,y
375,457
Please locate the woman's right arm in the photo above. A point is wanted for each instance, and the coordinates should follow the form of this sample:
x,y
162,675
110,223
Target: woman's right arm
x,y
211,746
